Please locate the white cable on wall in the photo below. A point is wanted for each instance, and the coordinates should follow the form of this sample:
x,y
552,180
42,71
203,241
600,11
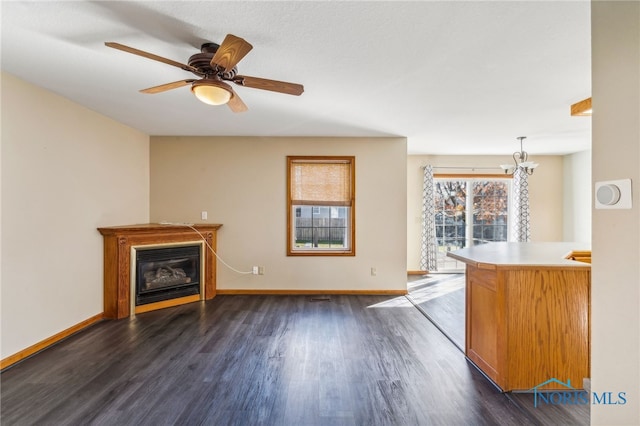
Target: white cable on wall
x,y
190,225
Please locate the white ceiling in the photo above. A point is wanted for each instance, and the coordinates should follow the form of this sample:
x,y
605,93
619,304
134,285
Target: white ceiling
x,y
453,77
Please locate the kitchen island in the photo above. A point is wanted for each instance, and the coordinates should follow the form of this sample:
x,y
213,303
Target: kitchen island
x,y
528,313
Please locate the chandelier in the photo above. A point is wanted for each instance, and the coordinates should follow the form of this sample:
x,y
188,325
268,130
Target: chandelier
x,y
521,160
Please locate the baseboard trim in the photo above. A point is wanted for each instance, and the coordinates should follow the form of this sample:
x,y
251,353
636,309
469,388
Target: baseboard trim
x,y
12,359
417,272
256,292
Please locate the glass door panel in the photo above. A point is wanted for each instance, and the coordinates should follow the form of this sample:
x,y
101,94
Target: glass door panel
x,y
469,217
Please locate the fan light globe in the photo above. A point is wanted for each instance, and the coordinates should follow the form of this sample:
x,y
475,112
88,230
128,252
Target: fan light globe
x,y
211,92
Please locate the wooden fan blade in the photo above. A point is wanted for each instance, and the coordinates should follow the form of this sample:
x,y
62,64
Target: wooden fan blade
x,y
236,104
273,85
151,56
230,52
165,87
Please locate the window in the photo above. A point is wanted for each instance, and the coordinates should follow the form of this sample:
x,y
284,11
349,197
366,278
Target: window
x,y
320,206
469,211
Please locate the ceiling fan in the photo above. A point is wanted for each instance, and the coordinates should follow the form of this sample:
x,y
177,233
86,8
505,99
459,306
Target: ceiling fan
x,y
215,65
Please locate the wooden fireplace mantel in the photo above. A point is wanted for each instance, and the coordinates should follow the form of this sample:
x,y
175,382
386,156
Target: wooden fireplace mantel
x,y
118,241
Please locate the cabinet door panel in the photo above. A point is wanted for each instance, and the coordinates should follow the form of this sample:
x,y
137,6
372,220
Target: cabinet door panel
x,y
482,316
549,319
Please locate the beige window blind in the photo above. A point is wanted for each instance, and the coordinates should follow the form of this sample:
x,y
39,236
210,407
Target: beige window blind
x,y
324,182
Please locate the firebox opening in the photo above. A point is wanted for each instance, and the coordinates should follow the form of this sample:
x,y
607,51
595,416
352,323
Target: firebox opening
x,y
164,273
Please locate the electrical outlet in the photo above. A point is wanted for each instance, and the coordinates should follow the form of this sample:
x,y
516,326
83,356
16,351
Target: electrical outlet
x,y
204,215
255,270
374,272
260,270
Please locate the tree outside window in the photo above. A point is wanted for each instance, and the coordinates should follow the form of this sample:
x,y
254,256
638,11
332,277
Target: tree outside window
x,y
469,212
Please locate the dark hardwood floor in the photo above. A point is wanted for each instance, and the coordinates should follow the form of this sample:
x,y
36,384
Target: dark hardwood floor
x,y
258,360
440,297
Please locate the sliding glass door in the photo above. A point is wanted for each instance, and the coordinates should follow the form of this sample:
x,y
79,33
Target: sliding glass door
x,y
469,212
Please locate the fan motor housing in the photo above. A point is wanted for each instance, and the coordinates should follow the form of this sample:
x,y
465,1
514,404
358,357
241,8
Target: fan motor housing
x,y
202,61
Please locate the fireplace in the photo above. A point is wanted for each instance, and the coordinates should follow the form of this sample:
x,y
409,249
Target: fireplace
x,y
164,273
179,266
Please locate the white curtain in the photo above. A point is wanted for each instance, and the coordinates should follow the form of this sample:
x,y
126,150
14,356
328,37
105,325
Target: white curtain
x,y
428,254
522,223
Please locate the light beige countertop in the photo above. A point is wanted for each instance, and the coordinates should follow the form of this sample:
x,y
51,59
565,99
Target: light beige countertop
x,y
531,254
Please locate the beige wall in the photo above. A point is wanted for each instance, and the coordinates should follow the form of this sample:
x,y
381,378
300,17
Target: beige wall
x,y
65,171
577,196
241,183
615,329
545,195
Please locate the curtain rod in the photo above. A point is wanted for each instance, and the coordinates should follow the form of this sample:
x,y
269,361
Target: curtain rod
x,y
464,167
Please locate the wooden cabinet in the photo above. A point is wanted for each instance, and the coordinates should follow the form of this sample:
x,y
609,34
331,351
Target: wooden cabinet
x,y
119,240
528,322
